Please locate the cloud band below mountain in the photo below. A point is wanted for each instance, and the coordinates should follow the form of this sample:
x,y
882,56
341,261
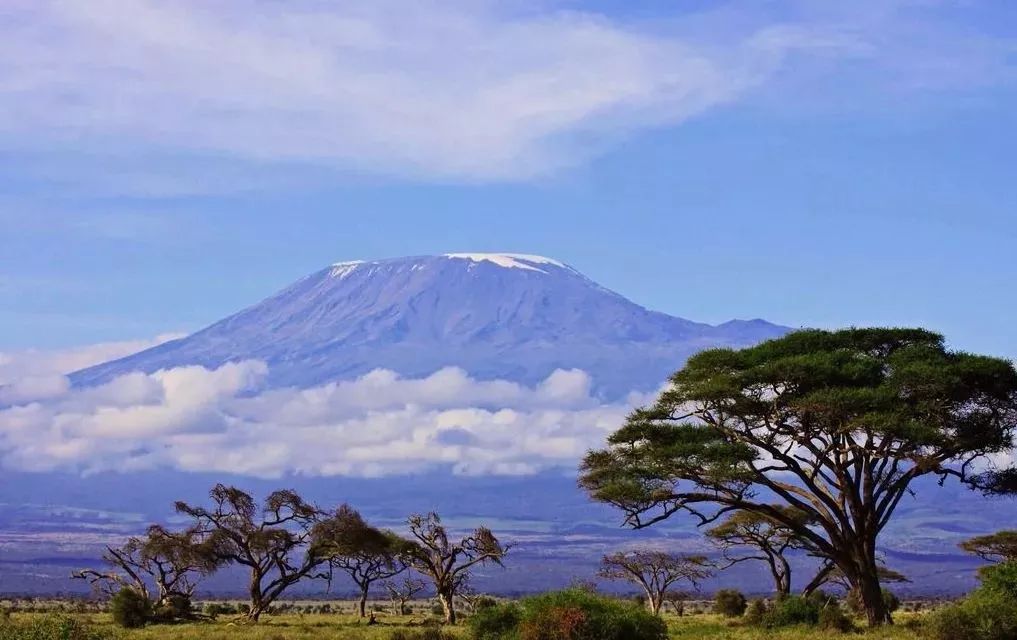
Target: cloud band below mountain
x,y
195,419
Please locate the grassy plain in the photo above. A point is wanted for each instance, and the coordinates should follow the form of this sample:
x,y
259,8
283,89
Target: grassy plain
x,y
297,626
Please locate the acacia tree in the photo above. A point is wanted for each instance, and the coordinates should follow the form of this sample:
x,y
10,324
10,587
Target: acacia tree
x,y
655,571
768,539
994,547
447,562
273,542
173,563
363,552
403,591
837,425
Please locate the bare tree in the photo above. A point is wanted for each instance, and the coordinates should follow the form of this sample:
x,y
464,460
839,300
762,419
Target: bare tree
x,y
655,572
446,562
363,552
403,591
677,601
748,535
172,563
273,542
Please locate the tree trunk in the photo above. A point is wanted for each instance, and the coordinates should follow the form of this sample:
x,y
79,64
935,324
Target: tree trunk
x,y
654,602
363,602
872,598
446,604
257,600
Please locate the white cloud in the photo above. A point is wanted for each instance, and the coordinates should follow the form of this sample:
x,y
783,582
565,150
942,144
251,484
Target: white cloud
x,y
195,419
438,89
36,373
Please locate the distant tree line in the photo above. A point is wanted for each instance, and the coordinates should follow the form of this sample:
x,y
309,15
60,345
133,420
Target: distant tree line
x,y
286,540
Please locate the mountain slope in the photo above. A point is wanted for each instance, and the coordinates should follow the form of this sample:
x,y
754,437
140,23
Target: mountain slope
x,y
495,315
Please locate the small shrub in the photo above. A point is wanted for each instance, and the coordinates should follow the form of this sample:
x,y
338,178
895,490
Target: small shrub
x,y
1001,578
790,611
984,615
729,602
484,602
755,611
833,618
130,609
494,622
427,633
50,627
572,614
174,609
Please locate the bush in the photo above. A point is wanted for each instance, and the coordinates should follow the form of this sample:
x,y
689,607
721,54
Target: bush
x,y
174,609
427,633
494,622
130,609
1001,578
50,627
790,611
832,617
215,609
573,614
987,614
729,602
755,611
984,615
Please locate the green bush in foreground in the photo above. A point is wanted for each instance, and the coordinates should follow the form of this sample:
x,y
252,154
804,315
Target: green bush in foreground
x,y
50,628
989,613
729,602
130,609
573,614
790,611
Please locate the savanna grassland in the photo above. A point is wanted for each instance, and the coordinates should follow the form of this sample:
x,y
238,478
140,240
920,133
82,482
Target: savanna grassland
x,y
705,626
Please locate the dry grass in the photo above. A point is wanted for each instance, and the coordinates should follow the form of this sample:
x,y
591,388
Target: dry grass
x,y
345,627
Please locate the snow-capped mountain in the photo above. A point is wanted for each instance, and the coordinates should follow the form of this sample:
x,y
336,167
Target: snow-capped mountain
x,y
506,316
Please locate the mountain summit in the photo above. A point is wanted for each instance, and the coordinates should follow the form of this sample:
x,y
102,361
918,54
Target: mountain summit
x,y
505,316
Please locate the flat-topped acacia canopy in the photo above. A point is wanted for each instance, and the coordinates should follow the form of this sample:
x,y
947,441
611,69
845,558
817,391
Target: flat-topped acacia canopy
x,y
836,424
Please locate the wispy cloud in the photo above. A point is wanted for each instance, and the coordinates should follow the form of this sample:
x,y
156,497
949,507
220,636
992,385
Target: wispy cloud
x,y
447,90
35,374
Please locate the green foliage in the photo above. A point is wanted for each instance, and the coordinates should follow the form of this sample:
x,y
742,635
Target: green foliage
x,y
130,609
50,628
790,611
572,614
833,618
988,613
729,602
432,632
755,612
984,615
176,608
1000,546
1001,578
495,621
215,609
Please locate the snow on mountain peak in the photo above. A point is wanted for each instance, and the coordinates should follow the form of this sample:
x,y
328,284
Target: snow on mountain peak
x,y
508,260
342,269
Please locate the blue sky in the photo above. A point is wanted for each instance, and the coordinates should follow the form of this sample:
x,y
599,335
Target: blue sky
x,y
164,165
